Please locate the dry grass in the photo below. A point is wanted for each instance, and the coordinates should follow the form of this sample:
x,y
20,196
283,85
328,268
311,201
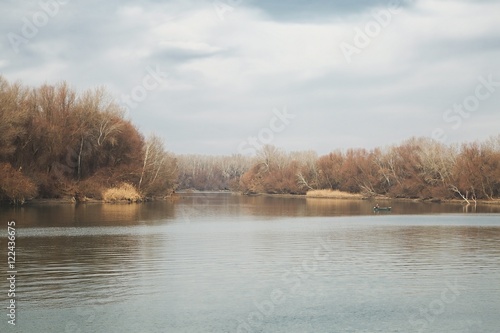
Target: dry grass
x,y
124,192
335,194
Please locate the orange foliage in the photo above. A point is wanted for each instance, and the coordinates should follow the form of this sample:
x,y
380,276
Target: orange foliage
x,y
14,186
417,168
68,144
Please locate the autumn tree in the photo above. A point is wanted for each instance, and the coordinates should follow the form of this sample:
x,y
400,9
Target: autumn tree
x,y
476,172
13,118
278,172
358,172
74,144
329,170
159,170
436,166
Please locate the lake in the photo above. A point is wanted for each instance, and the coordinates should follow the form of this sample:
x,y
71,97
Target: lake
x,y
217,262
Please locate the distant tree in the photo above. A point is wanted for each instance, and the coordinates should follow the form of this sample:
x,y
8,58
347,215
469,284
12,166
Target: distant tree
x,y
329,170
358,172
202,172
476,172
159,169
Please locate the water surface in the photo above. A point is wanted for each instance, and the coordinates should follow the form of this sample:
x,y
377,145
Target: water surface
x,y
224,263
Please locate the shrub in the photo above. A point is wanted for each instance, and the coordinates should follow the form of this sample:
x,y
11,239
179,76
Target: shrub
x,y
14,186
123,192
90,188
336,194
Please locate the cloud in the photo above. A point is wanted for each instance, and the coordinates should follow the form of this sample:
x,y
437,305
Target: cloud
x,y
226,75
317,10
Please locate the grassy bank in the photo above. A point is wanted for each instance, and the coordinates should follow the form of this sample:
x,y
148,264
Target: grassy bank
x,y
333,194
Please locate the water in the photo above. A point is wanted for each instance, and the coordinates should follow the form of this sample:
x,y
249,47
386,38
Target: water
x,y
224,263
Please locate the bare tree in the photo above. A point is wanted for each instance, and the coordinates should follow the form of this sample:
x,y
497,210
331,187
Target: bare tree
x,y
159,169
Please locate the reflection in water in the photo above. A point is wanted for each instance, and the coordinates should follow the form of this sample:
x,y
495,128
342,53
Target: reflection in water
x,y
80,215
269,206
214,263
220,205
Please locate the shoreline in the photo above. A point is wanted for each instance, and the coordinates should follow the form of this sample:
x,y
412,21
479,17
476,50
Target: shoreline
x,y
178,195
73,201
380,198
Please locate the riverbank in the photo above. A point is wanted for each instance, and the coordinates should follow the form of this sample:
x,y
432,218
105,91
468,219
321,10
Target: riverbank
x,y
73,201
333,194
313,194
340,195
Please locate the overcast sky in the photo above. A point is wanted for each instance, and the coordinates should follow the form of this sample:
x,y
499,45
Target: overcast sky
x,y
340,73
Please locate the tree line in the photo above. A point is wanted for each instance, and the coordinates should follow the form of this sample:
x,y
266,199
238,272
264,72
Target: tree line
x,y
56,142
418,168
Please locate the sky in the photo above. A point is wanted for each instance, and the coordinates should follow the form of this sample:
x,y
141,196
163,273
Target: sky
x,y
227,76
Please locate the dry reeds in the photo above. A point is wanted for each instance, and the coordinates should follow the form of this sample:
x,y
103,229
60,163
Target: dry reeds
x,y
334,194
124,192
